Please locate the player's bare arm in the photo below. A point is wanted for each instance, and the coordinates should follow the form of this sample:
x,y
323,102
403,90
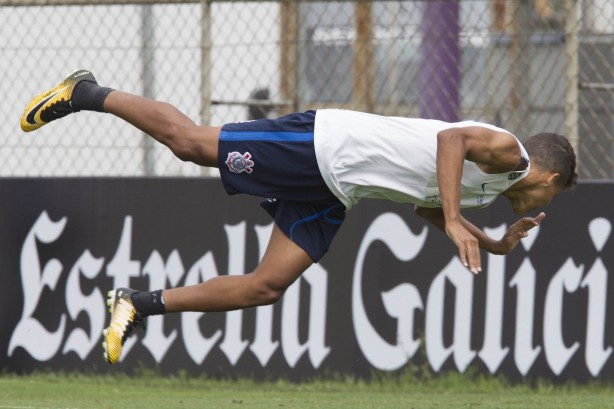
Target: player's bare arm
x,y
493,152
505,245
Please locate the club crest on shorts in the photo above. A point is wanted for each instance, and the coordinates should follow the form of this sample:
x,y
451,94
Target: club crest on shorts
x,y
238,162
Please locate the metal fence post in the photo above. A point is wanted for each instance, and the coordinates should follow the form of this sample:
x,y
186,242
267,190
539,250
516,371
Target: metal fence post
x,y
363,57
571,74
520,78
205,71
148,79
288,48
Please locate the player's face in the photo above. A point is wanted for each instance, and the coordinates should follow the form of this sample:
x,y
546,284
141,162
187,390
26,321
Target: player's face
x,y
536,198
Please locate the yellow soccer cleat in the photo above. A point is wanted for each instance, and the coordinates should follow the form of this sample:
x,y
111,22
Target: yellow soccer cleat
x,y
124,318
53,104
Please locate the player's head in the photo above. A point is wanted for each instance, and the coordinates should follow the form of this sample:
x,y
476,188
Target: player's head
x,y
551,152
553,169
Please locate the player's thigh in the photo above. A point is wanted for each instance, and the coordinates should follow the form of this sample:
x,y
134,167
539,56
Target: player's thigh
x,y
283,262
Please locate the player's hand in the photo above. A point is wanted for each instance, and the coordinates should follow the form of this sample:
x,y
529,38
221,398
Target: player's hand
x,y
518,231
468,246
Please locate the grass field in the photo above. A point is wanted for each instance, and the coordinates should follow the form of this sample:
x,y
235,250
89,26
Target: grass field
x,y
151,392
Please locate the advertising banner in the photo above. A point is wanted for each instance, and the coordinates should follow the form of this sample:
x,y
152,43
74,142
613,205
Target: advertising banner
x,y
390,295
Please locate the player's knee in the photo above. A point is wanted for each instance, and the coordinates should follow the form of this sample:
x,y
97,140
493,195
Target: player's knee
x,y
268,296
183,153
181,144
264,293
189,146
173,139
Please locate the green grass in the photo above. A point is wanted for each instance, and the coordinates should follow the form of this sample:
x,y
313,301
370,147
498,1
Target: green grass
x,y
151,392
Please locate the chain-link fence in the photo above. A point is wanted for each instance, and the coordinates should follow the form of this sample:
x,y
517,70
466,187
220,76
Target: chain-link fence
x,y
525,65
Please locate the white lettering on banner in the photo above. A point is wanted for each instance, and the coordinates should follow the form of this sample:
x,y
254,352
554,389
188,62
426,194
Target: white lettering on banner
x,y
391,229
571,282
155,340
566,280
525,353
492,353
292,349
198,346
382,355
436,352
264,346
29,333
596,281
122,268
79,341
524,281
401,302
233,344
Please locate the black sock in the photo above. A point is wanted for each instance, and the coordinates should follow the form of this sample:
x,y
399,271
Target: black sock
x,y
148,303
89,96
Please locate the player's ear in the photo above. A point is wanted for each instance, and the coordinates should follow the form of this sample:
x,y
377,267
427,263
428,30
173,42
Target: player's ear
x,y
552,178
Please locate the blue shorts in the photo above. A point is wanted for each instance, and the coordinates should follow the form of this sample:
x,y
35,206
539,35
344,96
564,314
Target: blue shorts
x,y
275,159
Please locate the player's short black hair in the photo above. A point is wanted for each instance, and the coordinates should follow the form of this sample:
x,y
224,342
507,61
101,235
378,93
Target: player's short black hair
x,y
553,152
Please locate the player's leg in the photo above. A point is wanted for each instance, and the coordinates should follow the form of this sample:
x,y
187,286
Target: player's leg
x,y
80,92
283,262
167,125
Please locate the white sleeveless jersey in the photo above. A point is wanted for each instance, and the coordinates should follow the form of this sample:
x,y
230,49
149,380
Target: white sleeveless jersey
x,y
363,155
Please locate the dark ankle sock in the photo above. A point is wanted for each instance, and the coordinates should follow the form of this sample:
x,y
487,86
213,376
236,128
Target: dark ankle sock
x,y
89,96
148,303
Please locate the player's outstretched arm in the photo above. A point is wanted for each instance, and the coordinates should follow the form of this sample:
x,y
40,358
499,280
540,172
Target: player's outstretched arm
x,y
436,218
493,152
505,245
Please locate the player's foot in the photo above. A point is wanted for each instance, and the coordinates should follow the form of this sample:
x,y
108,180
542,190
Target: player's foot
x,y
124,317
55,103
